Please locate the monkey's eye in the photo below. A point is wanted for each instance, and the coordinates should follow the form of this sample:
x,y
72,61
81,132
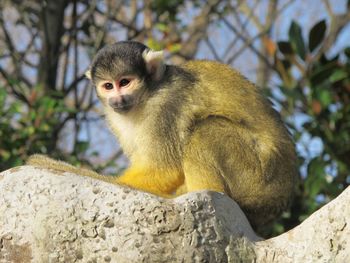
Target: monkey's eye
x,y
124,82
108,86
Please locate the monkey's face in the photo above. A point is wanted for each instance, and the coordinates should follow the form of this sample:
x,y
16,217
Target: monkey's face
x,y
121,94
124,74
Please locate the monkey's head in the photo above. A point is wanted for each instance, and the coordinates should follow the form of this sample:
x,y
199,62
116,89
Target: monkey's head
x,y
124,72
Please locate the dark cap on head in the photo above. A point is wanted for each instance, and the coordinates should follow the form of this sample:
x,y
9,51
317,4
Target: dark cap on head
x,y
121,58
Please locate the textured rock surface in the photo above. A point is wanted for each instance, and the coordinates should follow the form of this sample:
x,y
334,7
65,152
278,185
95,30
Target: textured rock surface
x,y
46,216
323,237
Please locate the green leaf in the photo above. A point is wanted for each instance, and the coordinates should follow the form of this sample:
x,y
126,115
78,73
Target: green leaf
x,y
30,130
347,51
317,34
154,44
162,27
315,180
2,96
338,75
285,47
325,97
322,73
81,146
296,39
175,47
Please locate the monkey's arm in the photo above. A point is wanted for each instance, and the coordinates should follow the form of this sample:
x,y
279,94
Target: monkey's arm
x,y
43,161
155,180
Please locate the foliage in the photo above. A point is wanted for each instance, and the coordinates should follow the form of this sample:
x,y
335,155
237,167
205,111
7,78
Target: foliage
x,y
317,85
33,128
170,8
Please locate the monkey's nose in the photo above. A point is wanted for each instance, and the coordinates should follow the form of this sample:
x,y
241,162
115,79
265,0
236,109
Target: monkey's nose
x,y
121,104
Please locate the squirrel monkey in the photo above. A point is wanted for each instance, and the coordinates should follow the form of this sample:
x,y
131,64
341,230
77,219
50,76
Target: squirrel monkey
x,y
198,126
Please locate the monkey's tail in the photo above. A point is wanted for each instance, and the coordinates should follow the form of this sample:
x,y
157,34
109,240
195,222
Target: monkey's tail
x,y
42,161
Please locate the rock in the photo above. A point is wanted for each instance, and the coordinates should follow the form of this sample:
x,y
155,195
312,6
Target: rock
x,y
48,216
323,237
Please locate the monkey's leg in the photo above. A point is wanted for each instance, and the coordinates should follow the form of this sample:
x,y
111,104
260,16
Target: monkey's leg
x,y
225,157
182,189
220,156
202,167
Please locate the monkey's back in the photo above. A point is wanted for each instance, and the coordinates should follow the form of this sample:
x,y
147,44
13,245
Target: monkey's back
x,y
265,141
228,93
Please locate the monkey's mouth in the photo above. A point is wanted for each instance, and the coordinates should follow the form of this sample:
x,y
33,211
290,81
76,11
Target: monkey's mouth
x,y
122,106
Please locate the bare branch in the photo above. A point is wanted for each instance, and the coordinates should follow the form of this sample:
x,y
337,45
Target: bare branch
x,y
284,6
13,89
212,49
245,40
197,30
328,8
249,12
248,43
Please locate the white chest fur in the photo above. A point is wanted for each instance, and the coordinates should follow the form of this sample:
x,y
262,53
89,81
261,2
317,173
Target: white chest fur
x,y
131,134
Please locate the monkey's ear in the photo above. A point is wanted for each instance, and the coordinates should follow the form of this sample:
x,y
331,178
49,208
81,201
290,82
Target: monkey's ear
x,y
88,74
154,63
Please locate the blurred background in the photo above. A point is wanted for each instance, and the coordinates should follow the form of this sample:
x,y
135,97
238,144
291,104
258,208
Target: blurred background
x,y
296,51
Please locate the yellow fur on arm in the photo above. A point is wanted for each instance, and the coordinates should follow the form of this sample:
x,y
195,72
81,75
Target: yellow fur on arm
x,y
161,182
